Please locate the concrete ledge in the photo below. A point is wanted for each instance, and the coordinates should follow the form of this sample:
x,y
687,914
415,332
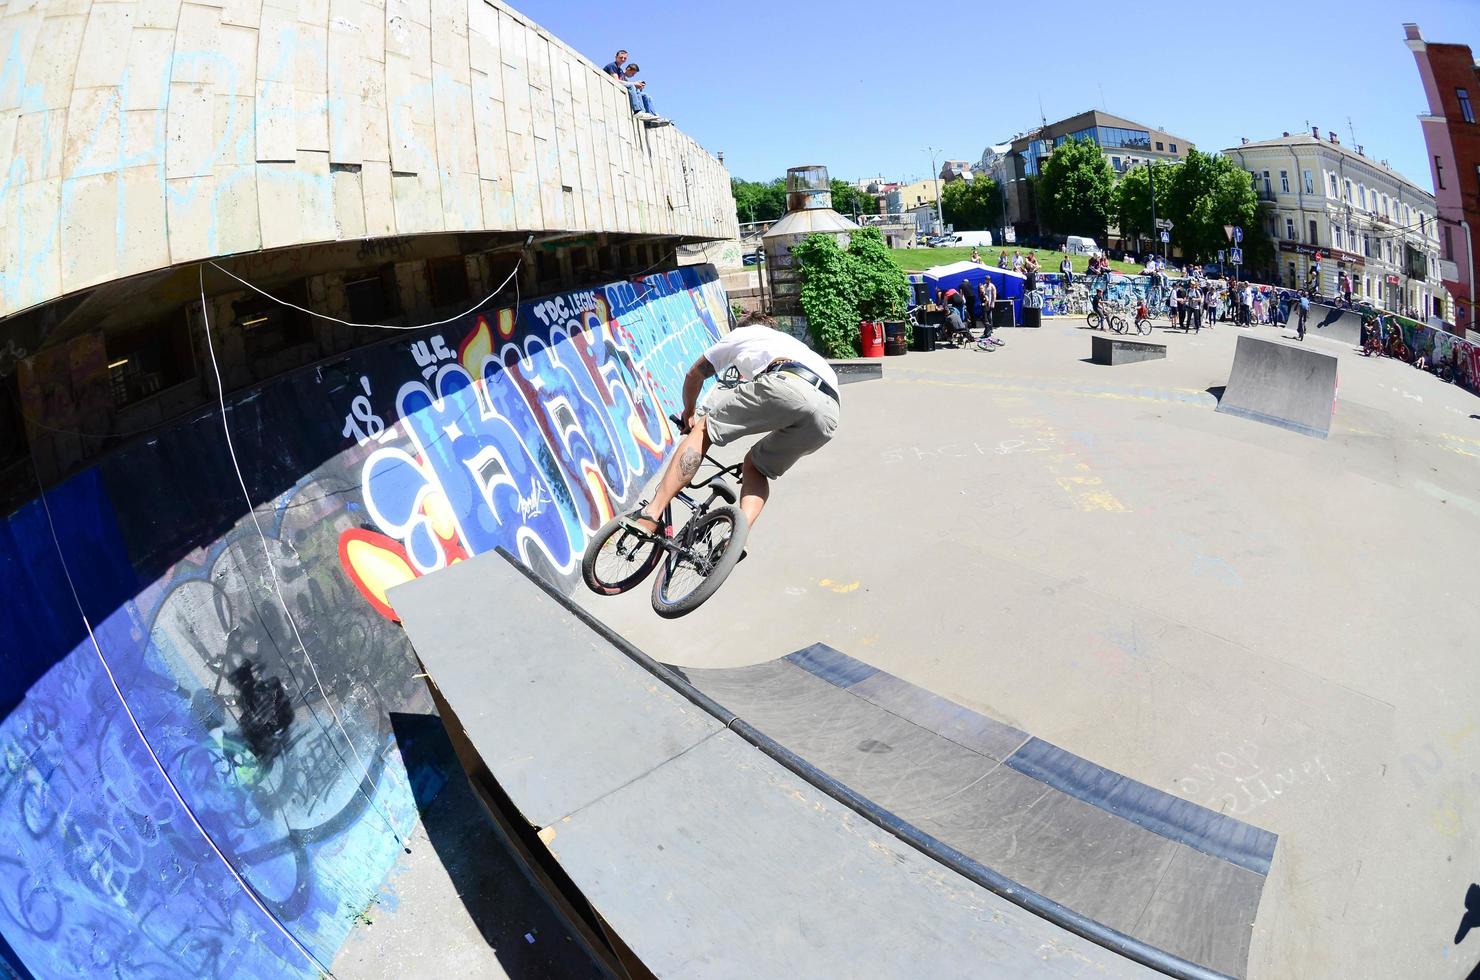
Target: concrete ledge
x,y
858,369
1113,350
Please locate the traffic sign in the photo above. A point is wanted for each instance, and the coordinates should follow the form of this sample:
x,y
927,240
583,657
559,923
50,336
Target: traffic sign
x,y
1164,224
1238,235
1228,230
1166,236
1236,256
1220,256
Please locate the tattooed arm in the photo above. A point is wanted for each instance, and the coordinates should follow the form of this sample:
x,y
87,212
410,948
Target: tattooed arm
x,y
693,383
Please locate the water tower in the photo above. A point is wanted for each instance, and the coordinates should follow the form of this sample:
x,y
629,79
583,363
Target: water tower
x,y
808,210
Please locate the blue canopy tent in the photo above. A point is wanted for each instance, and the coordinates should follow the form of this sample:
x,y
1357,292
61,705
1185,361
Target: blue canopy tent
x,y
1009,284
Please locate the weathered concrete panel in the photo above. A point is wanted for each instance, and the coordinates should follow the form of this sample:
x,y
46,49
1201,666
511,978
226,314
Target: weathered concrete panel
x,y
486,123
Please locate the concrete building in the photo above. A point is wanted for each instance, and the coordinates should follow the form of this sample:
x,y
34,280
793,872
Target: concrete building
x,y
955,170
1358,214
300,301
906,197
1451,82
1126,144
360,161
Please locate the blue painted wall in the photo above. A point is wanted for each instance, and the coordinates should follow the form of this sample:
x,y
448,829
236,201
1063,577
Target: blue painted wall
x,y
522,428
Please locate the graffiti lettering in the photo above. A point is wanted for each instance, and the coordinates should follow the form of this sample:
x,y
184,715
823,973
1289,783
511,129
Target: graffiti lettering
x,y
362,423
546,420
383,249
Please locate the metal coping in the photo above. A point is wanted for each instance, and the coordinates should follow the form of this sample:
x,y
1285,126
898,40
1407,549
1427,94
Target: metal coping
x,y
1065,918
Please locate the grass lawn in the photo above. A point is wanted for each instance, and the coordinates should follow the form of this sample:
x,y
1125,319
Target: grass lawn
x,y
920,259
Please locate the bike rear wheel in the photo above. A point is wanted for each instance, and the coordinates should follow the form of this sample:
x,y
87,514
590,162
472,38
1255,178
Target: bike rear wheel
x,y
1117,324
618,558
713,543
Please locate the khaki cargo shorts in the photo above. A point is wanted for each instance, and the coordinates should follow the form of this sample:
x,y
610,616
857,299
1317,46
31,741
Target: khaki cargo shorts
x,y
799,418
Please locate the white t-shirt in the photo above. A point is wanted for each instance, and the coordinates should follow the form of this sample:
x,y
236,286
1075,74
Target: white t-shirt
x,y
752,349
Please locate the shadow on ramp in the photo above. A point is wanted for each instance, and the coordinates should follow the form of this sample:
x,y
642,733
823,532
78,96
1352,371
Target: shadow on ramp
x,y
501,901
696,842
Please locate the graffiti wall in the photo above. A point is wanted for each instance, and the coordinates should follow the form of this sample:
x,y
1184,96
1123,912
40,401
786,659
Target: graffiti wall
x,y
201,778
1129,290
1441,350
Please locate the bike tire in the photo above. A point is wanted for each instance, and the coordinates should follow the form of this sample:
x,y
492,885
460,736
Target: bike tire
x,y
600,577
1093,320
672,606
1143,325
1117,324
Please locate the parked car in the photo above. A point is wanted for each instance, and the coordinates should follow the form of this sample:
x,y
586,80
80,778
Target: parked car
x,y
978,239
1079,245
754,258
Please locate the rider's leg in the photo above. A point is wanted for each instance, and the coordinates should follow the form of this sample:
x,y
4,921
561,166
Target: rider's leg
x,y
681,469
755,490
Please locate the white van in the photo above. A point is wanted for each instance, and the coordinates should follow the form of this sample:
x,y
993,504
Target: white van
x,y
1079,245
979,239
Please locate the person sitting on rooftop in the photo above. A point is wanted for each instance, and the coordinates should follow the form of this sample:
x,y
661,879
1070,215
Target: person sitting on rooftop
x,y
614,68
642,105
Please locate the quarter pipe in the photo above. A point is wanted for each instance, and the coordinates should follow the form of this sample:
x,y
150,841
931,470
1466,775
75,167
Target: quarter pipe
x,y
1283,385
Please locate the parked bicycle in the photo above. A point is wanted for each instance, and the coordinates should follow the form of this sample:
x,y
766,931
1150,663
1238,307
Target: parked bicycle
x,y
691,563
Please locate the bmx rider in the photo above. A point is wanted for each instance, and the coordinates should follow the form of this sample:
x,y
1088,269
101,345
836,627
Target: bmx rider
x,y
787,391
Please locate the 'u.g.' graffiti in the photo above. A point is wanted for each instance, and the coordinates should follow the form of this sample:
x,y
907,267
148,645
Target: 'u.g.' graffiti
x,y
524,429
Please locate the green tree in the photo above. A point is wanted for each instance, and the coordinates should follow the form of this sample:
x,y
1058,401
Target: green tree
x,y
1075,188
759,200
849,200
829,294
972,204
1206,193
1132,203
883,291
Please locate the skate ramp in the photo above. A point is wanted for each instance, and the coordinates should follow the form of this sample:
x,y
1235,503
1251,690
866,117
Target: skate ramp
x,y
1148,864
1334,323
1283,385
710,849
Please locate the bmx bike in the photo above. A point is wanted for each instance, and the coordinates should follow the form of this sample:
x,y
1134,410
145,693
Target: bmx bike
x,y
691,562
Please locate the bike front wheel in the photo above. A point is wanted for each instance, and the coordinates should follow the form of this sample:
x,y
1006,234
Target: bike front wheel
x,y
1143,324
710,546
618,558
1117,324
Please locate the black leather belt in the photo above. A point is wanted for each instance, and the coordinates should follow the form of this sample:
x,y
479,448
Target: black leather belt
x,y
797,369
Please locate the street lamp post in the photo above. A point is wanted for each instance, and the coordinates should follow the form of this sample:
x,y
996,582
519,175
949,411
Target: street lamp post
x,y
940,218
1002,189
1151,182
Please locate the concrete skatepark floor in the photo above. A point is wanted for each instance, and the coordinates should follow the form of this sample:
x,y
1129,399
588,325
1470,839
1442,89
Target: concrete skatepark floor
x,y
1271,625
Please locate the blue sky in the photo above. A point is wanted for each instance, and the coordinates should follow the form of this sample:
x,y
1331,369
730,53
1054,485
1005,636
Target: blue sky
x,y
883,81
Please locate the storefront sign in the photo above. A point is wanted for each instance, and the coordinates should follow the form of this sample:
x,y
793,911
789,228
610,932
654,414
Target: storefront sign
x,y
1320,252
1392,280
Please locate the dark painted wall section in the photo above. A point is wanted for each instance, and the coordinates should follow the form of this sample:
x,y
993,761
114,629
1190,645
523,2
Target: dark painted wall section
x,y
214,727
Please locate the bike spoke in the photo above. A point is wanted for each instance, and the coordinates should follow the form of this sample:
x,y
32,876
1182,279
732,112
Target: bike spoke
x,y
689,567
622,556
